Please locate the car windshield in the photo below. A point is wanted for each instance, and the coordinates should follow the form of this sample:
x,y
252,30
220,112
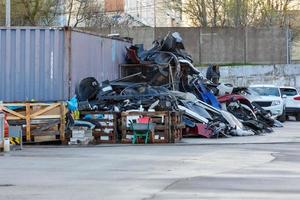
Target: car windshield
x,y
288,92
250,91
266,91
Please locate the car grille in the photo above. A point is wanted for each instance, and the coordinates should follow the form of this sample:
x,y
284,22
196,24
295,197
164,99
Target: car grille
x,y
263,103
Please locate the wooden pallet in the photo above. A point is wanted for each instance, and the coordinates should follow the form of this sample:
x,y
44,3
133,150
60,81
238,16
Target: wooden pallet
x,y
107,133
167,130
176,127
43,121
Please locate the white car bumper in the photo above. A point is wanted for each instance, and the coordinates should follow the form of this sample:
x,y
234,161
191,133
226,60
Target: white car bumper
x,y
275,110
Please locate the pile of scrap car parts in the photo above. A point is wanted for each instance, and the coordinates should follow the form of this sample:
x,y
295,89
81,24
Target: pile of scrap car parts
x,y
170,82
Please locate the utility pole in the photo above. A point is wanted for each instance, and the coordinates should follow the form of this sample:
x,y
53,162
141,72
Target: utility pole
x,y
7,14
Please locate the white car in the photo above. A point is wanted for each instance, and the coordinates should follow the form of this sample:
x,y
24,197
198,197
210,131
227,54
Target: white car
x,y
269,98
292,101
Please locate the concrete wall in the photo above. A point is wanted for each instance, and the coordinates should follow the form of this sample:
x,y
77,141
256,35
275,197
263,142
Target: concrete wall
x,y
287,75
295,54
221,45
266,44
140,35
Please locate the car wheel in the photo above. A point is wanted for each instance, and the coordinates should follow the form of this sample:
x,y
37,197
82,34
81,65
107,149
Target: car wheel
x,y
298,117
282,117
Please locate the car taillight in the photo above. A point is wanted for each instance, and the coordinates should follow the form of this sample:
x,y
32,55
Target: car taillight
x,y
297,98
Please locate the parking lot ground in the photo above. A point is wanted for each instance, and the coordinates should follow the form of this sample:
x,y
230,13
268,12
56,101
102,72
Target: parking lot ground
x,y
289,133
257,167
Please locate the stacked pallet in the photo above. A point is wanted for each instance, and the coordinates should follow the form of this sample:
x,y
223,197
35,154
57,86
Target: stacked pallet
x,y
167,126
106,132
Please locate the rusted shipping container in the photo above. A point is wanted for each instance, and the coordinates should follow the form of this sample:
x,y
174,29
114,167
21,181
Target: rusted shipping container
x,y
45,64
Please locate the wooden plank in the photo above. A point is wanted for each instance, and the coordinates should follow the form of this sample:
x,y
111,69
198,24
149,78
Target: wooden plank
x,y
48,117
40,112
105,127
43,104
28,136
9,118
24,104
104,120
144,113
99,134
45,138
14,104
47,126
20,116
44,133
37,118
169,130
62,122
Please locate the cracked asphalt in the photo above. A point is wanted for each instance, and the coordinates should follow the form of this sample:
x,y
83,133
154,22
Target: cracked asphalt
x,y
259,167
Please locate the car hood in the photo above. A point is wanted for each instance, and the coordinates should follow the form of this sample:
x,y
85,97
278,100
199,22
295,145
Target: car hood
x,y
263,98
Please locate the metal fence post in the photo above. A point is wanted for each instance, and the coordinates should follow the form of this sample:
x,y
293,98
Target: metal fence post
x,y
7,14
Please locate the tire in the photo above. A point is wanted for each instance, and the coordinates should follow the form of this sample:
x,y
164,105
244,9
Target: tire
x,y
298,116
282,117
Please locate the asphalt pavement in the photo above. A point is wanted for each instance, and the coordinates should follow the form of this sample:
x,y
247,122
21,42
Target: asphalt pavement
x,y
255,167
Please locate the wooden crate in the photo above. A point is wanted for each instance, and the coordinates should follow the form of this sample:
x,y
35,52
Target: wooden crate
x,y
43,122
167,129
108,132
176,127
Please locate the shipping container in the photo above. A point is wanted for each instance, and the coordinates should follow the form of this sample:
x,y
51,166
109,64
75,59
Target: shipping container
x,y
46,64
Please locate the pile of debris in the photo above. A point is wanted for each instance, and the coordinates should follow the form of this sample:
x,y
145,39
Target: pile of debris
x,y
163,78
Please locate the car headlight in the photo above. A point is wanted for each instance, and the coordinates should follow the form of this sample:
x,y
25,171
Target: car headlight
x,y
275,103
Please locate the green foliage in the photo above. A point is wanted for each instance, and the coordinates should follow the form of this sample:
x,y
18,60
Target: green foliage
x,y
48,12
31,12
236,13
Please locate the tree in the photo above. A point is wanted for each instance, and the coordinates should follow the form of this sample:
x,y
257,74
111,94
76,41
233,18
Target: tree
x,y
31,12
236,13
40,12
73,13
83,12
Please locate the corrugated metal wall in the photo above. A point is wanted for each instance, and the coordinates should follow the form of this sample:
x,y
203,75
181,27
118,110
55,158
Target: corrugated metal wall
x,y
32,64
46,64
96,57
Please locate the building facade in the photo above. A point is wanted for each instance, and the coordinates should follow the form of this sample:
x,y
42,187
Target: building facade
x,y
153,13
